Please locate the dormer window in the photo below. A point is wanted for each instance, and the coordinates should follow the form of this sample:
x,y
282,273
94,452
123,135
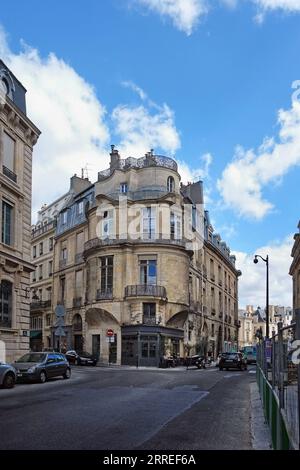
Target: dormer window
x,y
171,184
64,217
123,188
80,207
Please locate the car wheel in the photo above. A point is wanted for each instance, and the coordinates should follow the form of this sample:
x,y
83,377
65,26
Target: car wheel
x,y
42,377
9,381
67,374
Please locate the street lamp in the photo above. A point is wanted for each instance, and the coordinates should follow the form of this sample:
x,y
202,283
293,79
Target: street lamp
x,y
266,260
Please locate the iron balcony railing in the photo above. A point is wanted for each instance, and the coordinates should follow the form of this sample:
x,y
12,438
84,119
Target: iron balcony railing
x,y
9,173
43,229
39,304
104,294
77,302
78,258
145,290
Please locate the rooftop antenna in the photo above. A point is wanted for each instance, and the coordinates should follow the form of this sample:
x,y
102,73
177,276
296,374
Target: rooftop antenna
x,y
85,171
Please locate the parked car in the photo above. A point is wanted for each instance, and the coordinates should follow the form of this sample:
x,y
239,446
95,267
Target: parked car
x,y
233,361
81,358
196,360
41,366
8,376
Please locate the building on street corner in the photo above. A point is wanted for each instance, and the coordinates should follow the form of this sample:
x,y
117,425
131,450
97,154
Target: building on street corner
x,y
18,135
138,267
295,270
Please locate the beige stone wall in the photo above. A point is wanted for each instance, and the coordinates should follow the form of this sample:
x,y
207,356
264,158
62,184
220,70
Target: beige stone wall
x,y
15,263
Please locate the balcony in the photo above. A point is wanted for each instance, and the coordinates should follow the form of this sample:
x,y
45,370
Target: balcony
x,y
98,243
104,294
10,174
148,290
43,229
150,321
40,304
77,302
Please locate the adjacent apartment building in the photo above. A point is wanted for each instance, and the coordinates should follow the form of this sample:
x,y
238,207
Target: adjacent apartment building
x,y
295,270
18,135
138,268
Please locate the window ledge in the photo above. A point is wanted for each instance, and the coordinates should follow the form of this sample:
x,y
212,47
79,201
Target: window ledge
x,y
9,330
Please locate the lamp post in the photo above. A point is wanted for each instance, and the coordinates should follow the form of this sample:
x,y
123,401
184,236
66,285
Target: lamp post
x,y
266,260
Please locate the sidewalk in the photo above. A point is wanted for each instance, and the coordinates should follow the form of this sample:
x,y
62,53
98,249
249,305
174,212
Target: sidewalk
x,y
157,369
261,438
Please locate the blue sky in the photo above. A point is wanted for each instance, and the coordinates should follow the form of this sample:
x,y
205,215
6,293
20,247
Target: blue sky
x,y
204,83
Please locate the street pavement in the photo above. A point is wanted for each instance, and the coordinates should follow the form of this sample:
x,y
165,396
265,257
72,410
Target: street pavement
x,y
115,408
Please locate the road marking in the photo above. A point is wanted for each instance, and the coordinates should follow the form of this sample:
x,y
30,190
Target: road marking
x,y
228,376
252,371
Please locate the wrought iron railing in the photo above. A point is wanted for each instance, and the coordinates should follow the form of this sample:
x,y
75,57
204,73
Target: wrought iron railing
x,y
104,294
43,229
9,173
145,290
39,304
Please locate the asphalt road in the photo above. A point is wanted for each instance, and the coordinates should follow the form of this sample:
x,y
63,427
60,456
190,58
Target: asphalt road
x,y
111,409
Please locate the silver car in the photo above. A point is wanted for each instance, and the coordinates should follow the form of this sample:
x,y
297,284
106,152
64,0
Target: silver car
x,y
8,376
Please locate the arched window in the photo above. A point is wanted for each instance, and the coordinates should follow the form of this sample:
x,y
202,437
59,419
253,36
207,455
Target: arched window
x,y
5,304
171,184
77,322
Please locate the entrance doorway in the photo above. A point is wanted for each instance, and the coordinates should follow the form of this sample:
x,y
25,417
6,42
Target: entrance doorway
x,y
149,351
113,351
78,342
96,345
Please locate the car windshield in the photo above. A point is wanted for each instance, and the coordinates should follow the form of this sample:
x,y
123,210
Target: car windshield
x,y
232,356
84,353
32,357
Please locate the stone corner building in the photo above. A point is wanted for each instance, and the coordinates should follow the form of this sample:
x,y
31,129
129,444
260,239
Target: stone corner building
x,y
295,270
135,255
18,135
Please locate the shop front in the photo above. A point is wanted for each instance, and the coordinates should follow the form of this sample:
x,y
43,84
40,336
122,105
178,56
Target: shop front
x,y
146,346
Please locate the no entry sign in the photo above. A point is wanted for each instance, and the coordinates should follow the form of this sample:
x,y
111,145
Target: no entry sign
x,y
109,333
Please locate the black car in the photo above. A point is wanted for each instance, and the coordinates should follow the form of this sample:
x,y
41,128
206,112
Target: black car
x,y
233,361
41,366
81,358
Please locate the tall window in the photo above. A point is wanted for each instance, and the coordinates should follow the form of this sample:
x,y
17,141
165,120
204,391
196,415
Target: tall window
x,y
5,304
62,286
170,184
149,222
50,268
50,243
108,223
106,274
7,223
78,283
64,253
79,242
34,251
149,313
41,248
80,207
148,271
8,152
175,226
124,188
40,271
64,217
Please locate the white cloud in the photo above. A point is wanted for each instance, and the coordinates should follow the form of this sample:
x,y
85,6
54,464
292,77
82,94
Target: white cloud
x,y
252,283
72,120
139,129
286,5
245,177
75,128
185,14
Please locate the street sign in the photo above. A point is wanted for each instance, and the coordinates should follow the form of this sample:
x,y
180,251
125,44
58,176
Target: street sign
x,y
60,331
60,311
109,333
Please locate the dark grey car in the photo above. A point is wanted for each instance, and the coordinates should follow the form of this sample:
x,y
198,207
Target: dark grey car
x,y
8,376
41,366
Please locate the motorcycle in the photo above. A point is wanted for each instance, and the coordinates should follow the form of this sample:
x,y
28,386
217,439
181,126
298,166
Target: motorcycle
x,y
201,362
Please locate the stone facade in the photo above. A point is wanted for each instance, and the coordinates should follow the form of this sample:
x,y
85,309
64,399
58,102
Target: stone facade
x,y
18,135
135,256
295,270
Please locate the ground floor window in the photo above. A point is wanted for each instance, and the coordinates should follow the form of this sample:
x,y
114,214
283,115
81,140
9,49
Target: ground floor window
x,y
5,304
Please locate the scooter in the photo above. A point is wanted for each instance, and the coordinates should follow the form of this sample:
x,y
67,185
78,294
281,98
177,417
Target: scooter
x,y
201,362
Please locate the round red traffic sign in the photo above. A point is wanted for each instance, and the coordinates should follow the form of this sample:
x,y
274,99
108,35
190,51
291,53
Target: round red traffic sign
x,y
109,333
